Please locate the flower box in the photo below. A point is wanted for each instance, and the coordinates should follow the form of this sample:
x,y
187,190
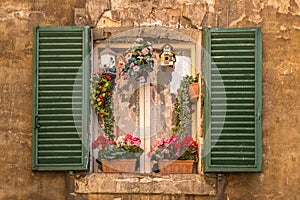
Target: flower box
x,y
176,166
118,165
120,155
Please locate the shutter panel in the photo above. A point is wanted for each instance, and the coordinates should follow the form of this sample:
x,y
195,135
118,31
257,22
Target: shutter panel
x,y
233,100
61,75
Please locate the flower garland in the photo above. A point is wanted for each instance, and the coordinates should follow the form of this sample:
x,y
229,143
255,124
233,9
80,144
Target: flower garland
x,y
139,61
101,98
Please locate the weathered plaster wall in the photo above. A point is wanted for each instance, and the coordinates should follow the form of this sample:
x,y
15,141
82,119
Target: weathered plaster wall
x,y
280,21
17,19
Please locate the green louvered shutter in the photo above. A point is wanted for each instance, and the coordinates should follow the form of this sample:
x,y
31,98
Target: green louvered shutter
x,y
233,100
60,99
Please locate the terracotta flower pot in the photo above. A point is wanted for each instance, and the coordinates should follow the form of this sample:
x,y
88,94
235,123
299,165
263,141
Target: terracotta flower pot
x,y
176,166
118,165
194,92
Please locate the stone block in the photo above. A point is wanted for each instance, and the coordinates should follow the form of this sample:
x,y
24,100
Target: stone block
x,y
122,183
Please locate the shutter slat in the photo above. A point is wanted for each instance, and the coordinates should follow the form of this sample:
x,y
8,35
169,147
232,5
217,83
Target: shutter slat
x,y
61,98
232,52
60,105
231,141
56,62
59,70
60,135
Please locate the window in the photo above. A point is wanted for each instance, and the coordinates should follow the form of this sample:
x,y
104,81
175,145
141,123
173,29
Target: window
x,y
233,100
232,103
147,111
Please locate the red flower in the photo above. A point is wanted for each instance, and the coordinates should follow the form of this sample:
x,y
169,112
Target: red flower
x,y
194,143
128,136
177,145
95,144
187,141
103,141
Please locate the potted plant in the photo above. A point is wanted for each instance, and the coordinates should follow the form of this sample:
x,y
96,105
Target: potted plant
x,y
175,154
139,60
101,99
193,89
119,155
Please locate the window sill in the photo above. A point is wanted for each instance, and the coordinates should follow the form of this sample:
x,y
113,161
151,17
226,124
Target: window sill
x,y
123,183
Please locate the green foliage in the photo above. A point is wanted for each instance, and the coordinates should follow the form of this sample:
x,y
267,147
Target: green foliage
x,y
182,112
101,99
192,79
124,152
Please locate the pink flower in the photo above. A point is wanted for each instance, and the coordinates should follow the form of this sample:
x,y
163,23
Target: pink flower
x,y
173,138
121,65
128,56
151,49
136,141
158,144
142,79
177,153
131,64
124,75
166,151
128,136
136,68
145,51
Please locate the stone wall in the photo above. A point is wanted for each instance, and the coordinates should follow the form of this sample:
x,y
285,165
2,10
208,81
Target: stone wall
x,y
280,22
17,19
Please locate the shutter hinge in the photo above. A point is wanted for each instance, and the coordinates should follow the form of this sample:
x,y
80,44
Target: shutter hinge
x,y
87,162
37,125
219,176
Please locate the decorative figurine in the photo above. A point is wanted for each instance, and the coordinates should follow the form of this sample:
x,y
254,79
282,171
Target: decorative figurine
x,y
167,57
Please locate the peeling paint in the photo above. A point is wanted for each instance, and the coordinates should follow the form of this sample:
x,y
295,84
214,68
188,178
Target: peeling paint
x,y
241,18
284,6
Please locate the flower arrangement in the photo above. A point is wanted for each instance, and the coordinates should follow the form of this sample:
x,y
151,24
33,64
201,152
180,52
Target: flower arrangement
x,y
101,99
124,147
175,148
139,60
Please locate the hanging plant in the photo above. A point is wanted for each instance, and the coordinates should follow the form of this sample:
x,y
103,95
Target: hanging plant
x,y
182,111
139,61
101,99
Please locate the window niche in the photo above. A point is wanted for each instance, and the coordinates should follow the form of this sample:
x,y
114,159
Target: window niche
x,y
145,110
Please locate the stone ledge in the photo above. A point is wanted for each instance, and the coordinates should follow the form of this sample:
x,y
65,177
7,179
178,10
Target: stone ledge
x,y
122,183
